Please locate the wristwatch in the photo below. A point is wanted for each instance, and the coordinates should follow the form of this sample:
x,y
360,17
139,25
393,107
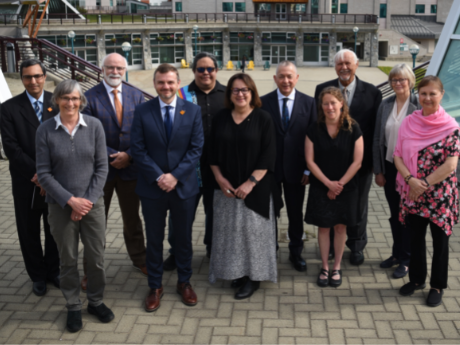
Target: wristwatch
x,y
253,179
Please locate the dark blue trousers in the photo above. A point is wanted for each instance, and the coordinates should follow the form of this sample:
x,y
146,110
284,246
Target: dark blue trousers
x,y
182,213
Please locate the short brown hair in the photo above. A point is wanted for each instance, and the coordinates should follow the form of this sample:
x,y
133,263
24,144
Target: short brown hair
x,y
431,79
334,91
255,101
165,68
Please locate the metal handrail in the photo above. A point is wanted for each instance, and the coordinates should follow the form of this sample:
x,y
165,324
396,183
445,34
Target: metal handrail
x,y
58,62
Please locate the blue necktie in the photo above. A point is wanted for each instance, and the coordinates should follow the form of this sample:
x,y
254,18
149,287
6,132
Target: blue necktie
x,y
168,122
285,114
38,111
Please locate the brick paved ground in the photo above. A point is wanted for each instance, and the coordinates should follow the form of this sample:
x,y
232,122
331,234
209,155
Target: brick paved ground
x,y
365,309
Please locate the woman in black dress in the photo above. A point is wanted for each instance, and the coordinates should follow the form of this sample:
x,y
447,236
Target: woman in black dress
x,y
334,152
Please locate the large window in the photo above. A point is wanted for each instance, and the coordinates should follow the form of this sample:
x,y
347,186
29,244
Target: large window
x,y
343,8
450,74
167,47
298,8
240,7
241,44
210,42
178,6
434,8
383,10
316,47
334,6
314,7
420,9
227,7
264,7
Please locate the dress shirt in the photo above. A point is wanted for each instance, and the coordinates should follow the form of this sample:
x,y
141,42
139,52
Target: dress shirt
x,y
289,103
172,108
111,95
351,90
81,122
40,101
392,127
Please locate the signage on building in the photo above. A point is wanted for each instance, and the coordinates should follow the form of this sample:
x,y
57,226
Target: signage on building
x,y
393,50
401,40
403,47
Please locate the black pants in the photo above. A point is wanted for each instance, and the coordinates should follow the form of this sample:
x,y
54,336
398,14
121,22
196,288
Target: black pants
x,y
41,265
440,263
401,233
294,194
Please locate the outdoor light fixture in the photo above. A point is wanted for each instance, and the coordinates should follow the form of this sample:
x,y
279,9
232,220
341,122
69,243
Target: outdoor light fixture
x,y
355,30
414,50
195,28
126,47
71,35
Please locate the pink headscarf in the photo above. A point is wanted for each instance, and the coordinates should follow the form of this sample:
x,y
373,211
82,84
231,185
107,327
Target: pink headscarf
x,y
416,133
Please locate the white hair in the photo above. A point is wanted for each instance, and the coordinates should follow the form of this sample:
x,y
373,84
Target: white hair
x,y
107,56
286,63
340,55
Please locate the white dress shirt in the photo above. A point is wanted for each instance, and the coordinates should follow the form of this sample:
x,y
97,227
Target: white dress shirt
x,y
392,128
111,95
290,102
172,110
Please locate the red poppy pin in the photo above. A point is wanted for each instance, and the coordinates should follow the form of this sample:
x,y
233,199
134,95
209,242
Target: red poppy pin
x,y
50,109
182,112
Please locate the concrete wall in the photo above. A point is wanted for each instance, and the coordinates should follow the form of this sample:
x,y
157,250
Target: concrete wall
x,y
364,7
393,39
443,10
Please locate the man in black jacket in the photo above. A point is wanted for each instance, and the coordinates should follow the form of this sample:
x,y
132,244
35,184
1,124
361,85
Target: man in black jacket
x,y
20,118
292,113
363,100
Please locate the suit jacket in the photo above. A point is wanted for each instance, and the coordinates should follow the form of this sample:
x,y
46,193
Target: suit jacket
x,y
363,109
118,138
153,154
384,111
290,145
18,127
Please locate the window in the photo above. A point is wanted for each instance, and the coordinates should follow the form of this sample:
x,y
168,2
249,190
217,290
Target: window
x,y
420,9
316,47
265,8
434,8
383,10
299,8
227,7
449,73
343,8
179,6
167,48
334,6
240,7
314,7
111,3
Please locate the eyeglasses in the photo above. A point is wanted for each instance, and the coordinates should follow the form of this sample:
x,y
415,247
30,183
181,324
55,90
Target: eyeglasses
x,y
37,77
68,99
202,69
118,69
396,81
243,91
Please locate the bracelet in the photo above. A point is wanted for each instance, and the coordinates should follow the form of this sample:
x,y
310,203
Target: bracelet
x,y
407,178
424,180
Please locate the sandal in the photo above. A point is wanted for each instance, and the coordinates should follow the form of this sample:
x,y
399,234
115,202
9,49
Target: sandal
x,y
323,282
336,282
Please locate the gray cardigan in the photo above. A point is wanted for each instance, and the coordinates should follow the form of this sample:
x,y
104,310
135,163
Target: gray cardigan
x,y
378,147
72,166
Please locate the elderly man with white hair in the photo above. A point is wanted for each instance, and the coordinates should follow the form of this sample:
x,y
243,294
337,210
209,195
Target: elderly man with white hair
x,y
363,100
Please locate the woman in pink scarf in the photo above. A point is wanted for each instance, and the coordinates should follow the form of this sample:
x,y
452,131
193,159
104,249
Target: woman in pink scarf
x,y
426,157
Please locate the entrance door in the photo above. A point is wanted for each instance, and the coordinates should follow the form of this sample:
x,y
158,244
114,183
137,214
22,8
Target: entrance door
x,y
278,54
339,46
281,11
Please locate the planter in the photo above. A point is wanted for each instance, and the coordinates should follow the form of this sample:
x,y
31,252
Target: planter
x,y
137,40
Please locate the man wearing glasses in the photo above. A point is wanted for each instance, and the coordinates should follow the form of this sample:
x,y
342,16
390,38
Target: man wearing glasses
x,y
113,103
20,118
209,94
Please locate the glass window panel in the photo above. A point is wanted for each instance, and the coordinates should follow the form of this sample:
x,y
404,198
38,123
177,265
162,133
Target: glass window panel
x,y
325,38
265,7
300,8
420,9
90,40
450,74
311,38
343,8
279,37
178,6
334,6
227,7
78,41
153,39
62,41
240,7
310,53
457,30
434,8
383,10
314,7
167,54
324,53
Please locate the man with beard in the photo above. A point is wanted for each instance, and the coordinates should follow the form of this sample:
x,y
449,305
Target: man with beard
x,y
113,103
363,100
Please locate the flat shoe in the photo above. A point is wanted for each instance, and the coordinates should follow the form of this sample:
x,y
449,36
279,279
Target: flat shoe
x,y
434,298
102,312
336,282
409,288
74,323
390,262
400,272
323,282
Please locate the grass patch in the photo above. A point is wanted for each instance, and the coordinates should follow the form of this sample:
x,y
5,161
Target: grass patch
x,y
385,69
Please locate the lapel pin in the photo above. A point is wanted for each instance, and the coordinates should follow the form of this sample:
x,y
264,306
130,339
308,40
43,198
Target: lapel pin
x,y
182,112
50,109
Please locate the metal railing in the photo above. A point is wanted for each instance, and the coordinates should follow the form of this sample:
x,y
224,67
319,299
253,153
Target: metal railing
x,y
419,72
58,62
158,18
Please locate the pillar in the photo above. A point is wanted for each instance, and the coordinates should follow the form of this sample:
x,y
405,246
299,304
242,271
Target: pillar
x,y
332,47
189,44
367,46
374,49
299,48
258,48
100,36
225,46
146,50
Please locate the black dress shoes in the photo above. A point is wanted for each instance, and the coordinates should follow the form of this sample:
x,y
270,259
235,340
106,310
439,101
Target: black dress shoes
x,y
39,288
298,262
74,323
236,283
170,263
247,289
409,288
356,258
102,312
434,298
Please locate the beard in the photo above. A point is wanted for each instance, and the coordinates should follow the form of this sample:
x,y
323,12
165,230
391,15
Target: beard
x,y
113,82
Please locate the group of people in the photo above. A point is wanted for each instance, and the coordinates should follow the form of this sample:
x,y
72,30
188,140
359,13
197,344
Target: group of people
x,y
69,151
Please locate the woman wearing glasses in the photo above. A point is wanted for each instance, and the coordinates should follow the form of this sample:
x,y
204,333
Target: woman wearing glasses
x,y
391,113
246,200
72,168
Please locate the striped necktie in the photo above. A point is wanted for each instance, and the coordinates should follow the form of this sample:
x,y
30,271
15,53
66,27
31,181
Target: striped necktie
x,y
38,111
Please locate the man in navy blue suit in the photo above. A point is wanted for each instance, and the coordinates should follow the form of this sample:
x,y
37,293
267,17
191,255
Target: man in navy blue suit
x,y
292,113
166,144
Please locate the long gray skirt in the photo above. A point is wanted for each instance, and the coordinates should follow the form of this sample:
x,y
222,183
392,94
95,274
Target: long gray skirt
x,y
243,242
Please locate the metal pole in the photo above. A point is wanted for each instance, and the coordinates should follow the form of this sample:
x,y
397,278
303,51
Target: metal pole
x,y
196,39
73,52
126,56
414,56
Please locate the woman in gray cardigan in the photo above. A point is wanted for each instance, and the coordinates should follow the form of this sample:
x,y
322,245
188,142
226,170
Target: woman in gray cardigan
x,y
72,168
390,115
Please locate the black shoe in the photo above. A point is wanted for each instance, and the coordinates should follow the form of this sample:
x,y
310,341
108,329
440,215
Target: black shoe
x,y
236,283
390,262
39,288
356,258
336,282
74,323
170,263
400,272
323,282
103,313
248,288
434,298
298,262
409,288
56,282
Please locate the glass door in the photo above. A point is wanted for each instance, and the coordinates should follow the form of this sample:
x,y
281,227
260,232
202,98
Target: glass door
x,y
280,11
278,54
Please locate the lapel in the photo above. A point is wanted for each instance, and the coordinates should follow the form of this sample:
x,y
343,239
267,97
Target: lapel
x,y
178,117
157,118
274,104
47,113
105,101
387,109
357,97
27,111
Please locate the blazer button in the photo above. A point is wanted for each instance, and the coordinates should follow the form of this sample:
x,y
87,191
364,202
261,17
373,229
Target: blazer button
x,y
121,134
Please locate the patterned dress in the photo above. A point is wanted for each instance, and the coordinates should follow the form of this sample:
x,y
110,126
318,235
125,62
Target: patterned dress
x,y
440,202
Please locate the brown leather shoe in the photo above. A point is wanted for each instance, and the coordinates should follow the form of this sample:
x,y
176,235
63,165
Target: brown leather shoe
x,y
152,301
84,283
188,295
142,269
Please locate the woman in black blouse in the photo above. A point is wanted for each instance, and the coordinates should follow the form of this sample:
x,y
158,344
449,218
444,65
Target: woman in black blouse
x,y
242,159
334,152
